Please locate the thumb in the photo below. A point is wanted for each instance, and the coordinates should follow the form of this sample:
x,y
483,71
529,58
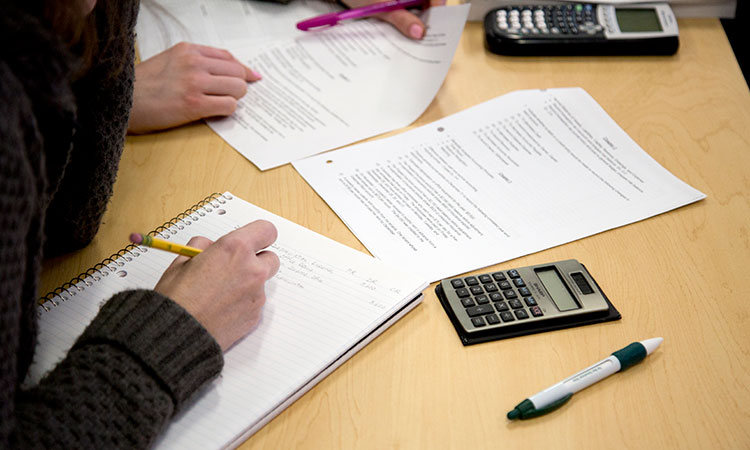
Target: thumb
x,y
407,23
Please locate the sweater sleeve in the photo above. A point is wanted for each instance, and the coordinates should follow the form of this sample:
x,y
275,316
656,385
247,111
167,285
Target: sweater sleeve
x,y
135,366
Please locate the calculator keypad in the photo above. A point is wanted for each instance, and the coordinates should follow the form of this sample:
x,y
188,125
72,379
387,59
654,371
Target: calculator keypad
x,y
568,20
495,298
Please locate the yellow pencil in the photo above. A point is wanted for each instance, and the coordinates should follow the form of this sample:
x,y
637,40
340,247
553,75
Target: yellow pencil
x,y
148,241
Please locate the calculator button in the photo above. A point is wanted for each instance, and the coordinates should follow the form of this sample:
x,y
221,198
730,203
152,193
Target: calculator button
x,y
478,322
521,314
515,303
463,292
536,311
524,291
519,282
490,287
513,273
471,281
502,306
467,302
530,301
481,299
507,316
485,279
476,290
457,283
504,285
498,276
496,297
479,310
492,319
510,294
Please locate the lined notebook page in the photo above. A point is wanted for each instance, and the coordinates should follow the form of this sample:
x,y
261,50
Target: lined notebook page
x,y
324,300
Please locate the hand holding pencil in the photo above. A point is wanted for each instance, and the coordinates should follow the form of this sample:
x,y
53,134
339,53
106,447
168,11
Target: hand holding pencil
x,y
161,244
220,283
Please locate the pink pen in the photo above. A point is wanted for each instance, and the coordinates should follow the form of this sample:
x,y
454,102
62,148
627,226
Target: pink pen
x,y
333,18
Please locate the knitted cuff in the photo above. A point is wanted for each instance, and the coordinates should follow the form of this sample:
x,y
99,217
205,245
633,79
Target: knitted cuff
x,y
166,339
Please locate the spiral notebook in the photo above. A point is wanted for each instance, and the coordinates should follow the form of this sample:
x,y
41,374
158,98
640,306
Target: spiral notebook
x,y
326,303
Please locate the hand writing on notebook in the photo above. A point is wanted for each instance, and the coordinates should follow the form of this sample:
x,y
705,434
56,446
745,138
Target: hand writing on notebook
x,y
184,83
223,287
407,23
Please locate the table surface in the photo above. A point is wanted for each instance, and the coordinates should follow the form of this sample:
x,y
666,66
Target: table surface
x,y
678,275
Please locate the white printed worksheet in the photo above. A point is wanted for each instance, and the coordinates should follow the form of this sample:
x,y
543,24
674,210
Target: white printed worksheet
x,y
512,176
322,89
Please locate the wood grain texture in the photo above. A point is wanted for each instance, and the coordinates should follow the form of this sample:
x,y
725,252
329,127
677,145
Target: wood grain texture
x,y
681,275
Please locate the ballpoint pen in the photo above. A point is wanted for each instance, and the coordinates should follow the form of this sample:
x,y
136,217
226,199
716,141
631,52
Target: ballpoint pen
x,y
333,18
148,241
556,396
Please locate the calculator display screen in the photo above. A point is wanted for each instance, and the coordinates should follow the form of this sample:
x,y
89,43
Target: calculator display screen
x,y
557,289
632,20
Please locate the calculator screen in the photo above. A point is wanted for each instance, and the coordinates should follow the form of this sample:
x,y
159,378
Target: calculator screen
x,y
637,20
557,289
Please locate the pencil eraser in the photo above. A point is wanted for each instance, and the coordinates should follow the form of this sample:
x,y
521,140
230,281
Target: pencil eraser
x,y
136,238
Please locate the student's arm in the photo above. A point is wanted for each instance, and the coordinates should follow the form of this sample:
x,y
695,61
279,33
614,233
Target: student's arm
x,y
125,377
144,355
137,364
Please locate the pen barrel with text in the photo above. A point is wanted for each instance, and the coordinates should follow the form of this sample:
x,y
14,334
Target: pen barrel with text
x,y
575,383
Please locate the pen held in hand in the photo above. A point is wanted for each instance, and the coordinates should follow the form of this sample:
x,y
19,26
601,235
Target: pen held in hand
x,y
333,18
149,241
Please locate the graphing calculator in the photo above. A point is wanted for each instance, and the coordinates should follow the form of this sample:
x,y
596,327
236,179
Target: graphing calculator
x,y
533,299
582,29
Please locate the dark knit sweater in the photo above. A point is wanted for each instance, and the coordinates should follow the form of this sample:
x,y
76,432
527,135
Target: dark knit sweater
x,y
143,356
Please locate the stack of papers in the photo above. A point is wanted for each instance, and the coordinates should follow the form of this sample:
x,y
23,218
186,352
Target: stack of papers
x,y
320,90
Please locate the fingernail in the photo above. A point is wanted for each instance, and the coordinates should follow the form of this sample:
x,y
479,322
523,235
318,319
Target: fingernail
x,y
256,74
416,31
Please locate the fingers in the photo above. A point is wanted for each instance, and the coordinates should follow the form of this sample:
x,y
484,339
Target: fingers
x,y
270,260
257,235
231,68
214,105
213,52
224,63
198,242
221,85
407,23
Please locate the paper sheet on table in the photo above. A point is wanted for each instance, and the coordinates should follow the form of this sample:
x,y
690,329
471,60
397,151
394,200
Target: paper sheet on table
x,y
227,24
324,89
515,175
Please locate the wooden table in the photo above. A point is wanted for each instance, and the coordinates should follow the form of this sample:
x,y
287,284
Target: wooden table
x,y
682,275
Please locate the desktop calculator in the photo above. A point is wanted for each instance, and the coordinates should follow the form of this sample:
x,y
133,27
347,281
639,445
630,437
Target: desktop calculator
x,y
582,29
515,302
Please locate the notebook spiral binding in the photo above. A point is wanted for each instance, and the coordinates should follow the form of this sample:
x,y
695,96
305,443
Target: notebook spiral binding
x,y
114,263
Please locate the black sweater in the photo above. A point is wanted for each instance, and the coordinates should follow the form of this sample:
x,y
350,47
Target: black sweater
x,y
60,145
